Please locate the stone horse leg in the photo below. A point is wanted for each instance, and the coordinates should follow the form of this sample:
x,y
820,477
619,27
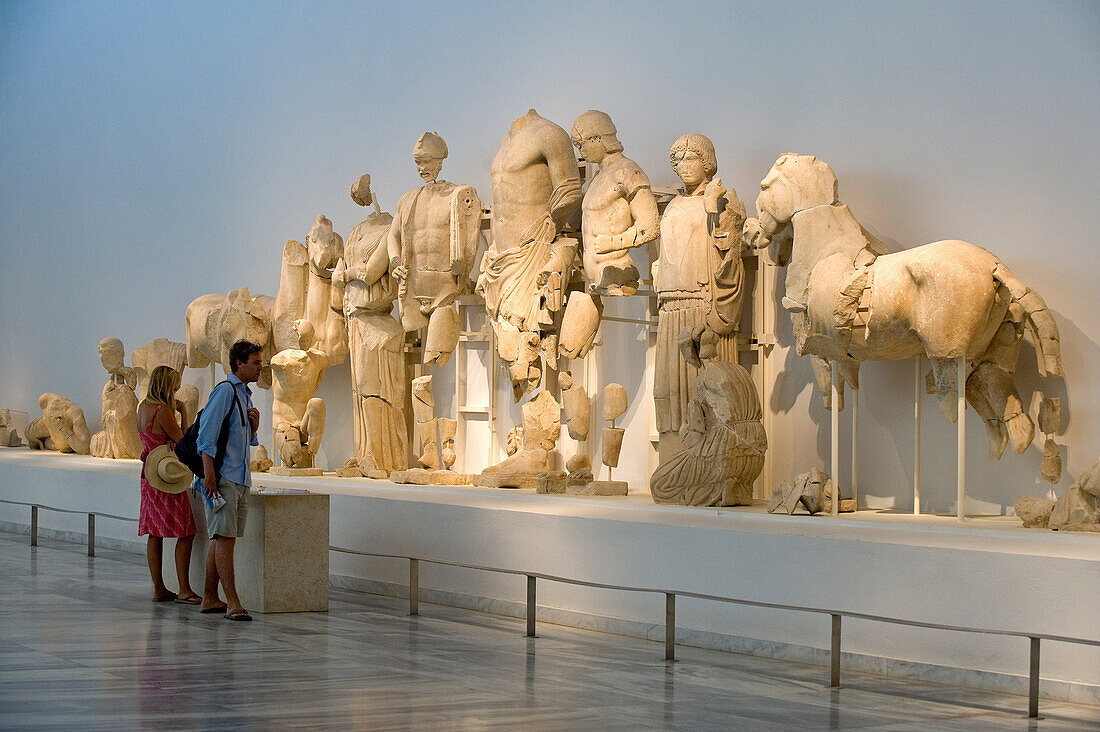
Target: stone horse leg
x,y
991,390
847,372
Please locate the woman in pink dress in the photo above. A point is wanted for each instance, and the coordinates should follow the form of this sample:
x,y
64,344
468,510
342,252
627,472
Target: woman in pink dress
x,y
165,514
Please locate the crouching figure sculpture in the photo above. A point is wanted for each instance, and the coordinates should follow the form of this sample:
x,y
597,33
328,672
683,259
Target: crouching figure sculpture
x,y
723,434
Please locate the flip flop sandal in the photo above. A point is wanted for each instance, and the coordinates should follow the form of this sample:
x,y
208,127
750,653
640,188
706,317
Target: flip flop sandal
x,y
219,609
171,596
193,600
240,615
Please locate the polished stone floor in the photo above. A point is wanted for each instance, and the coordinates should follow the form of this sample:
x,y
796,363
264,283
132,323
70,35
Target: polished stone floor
x,y
82,647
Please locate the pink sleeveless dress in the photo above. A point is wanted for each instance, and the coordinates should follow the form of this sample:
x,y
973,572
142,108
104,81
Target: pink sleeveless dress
x,y
162,514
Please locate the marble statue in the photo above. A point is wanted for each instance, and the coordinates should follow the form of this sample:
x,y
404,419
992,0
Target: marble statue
x,y
431,245
614,406
434,442
850,301
618,212
1050,421
1078,509
260,462
699,279
1034,512
188,394
375,341
61,427
724,440
297,417
9,436
161,352
216,322
119,436
577,407
288,311
579,324
813,490
306,294
536,195
535,451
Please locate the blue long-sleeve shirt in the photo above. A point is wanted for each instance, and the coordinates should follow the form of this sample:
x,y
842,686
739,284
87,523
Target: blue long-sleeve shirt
x,y
237,453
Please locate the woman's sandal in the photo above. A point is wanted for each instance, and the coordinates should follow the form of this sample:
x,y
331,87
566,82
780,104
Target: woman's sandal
x,y
193,600
241,615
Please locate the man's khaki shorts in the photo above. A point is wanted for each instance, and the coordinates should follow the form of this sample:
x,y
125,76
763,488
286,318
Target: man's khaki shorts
x,y
229,519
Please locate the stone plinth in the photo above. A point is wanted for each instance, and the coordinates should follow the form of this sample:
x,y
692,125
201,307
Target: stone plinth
x,y
283,470
282,560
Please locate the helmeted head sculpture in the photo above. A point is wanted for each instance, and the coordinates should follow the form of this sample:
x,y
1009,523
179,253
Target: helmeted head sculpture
x,y
429,153
594,136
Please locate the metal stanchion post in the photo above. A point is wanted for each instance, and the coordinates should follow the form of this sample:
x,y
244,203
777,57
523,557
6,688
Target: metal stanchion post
x,y
1033,681
670,626
34,525
414,587
834,671
531,606
91,535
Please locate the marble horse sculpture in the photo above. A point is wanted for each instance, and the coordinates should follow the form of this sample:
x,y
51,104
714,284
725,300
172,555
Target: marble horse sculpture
x,y
216,322
851,301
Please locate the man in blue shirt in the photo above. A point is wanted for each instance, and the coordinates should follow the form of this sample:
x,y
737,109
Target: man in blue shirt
x,y
232,480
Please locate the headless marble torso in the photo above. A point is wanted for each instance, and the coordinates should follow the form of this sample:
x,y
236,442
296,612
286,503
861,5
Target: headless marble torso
x,y
536,191
369,286
297,374
534,176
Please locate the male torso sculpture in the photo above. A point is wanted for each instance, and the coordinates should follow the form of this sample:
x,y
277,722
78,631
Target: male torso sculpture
x,y
432,244
536,194
619,211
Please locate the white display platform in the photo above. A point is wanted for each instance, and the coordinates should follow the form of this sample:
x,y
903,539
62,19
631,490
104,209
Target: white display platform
x,y
987,573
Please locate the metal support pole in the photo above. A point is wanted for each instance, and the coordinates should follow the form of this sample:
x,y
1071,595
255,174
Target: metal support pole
x,y
91,535
531,606
34,525
414,587
916,439
1033,681
834,670
834,404
670,626
855,446
962,439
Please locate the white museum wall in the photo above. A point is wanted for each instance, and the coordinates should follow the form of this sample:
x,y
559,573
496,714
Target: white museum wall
x,y
153,154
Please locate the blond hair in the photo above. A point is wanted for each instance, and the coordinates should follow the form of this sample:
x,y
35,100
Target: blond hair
x,y
163,383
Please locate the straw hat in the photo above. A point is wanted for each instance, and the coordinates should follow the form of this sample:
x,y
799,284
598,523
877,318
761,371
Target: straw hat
x,y
165,472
